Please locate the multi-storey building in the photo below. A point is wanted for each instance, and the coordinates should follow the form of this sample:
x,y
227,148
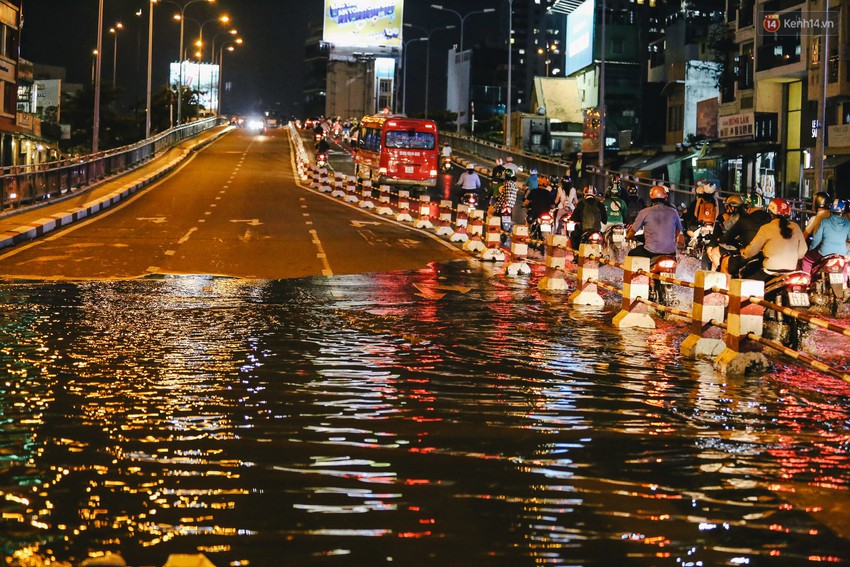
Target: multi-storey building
x,y
10,26
769,120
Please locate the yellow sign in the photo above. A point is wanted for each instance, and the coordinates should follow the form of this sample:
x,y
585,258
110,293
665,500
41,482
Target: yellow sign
x,y
363,23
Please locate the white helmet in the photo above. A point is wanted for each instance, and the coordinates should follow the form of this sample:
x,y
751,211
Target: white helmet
x,y
709,188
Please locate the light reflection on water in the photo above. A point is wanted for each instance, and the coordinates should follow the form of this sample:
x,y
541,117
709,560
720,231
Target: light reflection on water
x,y
349,420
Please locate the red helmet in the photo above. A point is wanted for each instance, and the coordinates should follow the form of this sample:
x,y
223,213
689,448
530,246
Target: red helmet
x,y
589,191
779,207
658,192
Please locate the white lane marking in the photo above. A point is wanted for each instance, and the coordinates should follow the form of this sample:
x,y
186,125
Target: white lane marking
x,y
152,269
320,254
170,252
187,235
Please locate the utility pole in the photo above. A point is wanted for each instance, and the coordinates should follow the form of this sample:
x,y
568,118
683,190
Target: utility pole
x,y
510,63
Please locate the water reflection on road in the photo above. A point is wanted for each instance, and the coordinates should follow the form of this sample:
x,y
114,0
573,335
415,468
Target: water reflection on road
x,y
363,421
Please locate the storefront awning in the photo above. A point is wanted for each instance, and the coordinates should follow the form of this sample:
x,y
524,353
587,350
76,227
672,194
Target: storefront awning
x,y
632,164
663,160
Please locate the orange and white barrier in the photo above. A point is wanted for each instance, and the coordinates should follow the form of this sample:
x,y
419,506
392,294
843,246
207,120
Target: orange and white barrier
x,y
404,206
384,207
424,220
744,318
633,313
705,338
461,233
445,219
476,231
351,190
324,181
339,185
315,178
366,195
587,292
519,251
556,263
493,240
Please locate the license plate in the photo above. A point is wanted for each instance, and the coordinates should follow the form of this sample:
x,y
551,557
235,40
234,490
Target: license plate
x,y
836,278
797,299
618,238
545,228
408,169
571,226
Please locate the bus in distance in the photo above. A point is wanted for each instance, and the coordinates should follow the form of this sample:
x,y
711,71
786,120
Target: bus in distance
x,y
396,150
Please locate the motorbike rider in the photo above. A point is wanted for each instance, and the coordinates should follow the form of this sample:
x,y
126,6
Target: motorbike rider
x,y
322,147
755,198
446,151
780,242
820,205
661,226
703,209
740,227
539,200
533,181
589,215
469,181
563,206
615,208
498,172
509,164
831,236
505,202
634,204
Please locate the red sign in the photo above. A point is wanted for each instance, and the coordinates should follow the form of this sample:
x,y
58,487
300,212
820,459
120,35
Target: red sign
x,y
771,23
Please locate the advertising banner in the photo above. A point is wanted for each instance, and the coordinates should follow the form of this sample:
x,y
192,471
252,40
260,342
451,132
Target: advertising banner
x,y
363,23
580,27
737,126
200,77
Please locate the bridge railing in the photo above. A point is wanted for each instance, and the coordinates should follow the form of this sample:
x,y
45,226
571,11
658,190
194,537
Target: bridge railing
x,y
27,184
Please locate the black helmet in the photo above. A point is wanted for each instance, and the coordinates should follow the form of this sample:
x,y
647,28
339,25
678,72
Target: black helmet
x,y
821,200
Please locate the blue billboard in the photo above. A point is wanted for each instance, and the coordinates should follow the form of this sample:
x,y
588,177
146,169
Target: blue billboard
x,y
580,28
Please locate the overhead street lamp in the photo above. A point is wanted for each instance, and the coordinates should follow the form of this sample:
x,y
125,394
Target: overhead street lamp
x,y
428,56
96,120
404,76
114,31
182,7
462,16
231,47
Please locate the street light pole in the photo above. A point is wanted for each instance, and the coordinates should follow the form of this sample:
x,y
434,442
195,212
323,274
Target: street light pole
x,y
150,66
510,63
229,47
114,31
462,17
404,67
96,122
602,102
428,57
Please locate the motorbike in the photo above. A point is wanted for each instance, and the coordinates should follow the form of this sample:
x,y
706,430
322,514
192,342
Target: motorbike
x,y
787,289
615,240
659,291
699,242
539,229
507,224
829,282
322,159
470,199
446,164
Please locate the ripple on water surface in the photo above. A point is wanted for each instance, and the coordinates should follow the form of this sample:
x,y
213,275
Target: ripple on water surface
x,y
362,421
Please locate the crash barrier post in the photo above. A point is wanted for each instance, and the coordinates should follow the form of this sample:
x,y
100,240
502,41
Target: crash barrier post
x,y
744,318
633,312
708,309
324,181
556,263
461,233
315,177
339,180
445,218
519,251
384,207
424,220
587,292
475,243
493,240
404,206
351,190
366,194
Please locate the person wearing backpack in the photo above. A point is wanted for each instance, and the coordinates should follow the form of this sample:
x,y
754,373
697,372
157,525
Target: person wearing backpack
x,y
702,212
589,214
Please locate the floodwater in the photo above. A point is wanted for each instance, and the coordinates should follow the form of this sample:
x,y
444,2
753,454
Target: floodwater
x,y
361,421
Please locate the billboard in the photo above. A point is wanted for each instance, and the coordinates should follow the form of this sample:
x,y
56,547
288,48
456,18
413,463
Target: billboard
x,y
363,23
580,27
201,77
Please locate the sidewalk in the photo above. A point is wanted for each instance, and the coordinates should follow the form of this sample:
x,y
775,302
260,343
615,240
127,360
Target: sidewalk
x,y
27,223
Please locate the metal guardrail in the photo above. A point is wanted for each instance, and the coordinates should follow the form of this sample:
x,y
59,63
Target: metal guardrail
x,y
23,185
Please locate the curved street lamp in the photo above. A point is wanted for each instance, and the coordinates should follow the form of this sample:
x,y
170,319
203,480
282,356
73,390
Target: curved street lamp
x,y
404,67
428,55
462,16
229,47
114,31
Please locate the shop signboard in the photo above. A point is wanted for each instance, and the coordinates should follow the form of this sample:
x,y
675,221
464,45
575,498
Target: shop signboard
x,y
363,23
839,136
737,126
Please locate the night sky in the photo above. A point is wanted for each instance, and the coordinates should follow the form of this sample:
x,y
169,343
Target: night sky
x,y
266,72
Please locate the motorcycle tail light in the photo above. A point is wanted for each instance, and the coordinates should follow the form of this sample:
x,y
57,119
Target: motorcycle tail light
x,y
667,264
799,280
595,238
836,264
545,217
619,229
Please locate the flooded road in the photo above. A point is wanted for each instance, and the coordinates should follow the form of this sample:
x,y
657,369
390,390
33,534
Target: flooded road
x,y
364,420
